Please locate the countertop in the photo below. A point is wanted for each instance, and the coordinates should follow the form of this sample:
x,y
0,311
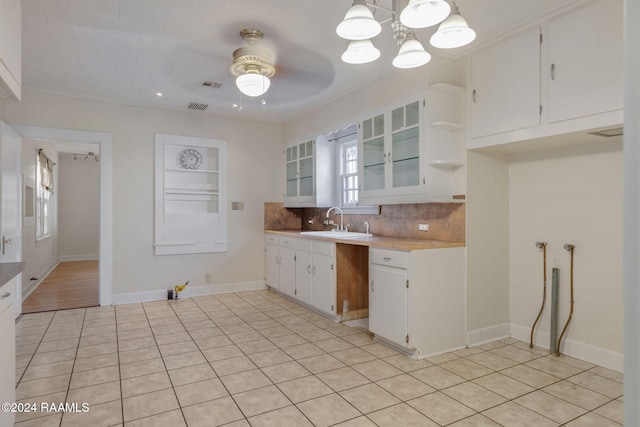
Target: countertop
x,y
9,270
399,243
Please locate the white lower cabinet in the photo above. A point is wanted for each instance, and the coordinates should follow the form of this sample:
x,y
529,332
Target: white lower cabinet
x,y
303,269
7,353
417,299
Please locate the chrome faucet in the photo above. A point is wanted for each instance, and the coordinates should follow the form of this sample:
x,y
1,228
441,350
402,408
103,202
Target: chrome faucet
x,y
341,217
366,224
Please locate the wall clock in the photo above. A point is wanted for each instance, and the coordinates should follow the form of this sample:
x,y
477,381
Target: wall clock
x,y
189,159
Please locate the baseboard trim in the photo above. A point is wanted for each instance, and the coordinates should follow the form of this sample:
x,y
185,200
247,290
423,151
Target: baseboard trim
x,y
90,257
578,349
28,290
190,291
488,334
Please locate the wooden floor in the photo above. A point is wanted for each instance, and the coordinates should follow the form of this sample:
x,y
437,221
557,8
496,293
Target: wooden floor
x,y
72,284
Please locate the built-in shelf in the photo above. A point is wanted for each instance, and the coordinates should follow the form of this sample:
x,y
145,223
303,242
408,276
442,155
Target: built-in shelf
x,y
450,126
446,164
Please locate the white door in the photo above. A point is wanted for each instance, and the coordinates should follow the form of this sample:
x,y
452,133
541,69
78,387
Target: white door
x,y
388,303
323,283
11,208
287,271
585,66
272,267
303,276
505,85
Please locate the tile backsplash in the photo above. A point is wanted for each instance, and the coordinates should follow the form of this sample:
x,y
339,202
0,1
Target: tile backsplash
x,y
446,220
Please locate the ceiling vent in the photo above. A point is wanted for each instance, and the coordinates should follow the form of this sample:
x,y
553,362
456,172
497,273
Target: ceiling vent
x,y
608,133
212,85
197,106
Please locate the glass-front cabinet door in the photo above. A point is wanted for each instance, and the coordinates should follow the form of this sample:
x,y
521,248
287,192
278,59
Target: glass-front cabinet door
x,y
299,161
374,152
392,143
405,145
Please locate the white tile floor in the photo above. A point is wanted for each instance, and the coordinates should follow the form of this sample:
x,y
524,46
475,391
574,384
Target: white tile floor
x,y
256,358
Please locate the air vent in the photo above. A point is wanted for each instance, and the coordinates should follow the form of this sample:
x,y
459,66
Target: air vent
x,y
608,133
197,106
212,85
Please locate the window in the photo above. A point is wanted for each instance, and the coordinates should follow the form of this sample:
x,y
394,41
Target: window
x,y
349,173
44,192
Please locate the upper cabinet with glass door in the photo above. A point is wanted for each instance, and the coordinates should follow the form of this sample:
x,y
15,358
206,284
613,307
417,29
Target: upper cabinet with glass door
x,y
392,146
306,173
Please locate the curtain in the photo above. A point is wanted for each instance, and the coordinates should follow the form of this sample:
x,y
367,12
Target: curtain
x,y
46,171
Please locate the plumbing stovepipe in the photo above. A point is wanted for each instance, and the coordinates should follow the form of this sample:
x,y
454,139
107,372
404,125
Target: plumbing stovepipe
x,y
543,246
568,247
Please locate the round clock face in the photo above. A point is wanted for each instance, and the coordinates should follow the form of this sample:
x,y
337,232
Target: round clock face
x,y
190,159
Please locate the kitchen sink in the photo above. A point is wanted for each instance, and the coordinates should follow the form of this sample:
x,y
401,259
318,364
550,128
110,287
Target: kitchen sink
x,y
337,234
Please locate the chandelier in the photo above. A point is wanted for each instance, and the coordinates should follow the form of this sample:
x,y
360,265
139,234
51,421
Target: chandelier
x,y
359,27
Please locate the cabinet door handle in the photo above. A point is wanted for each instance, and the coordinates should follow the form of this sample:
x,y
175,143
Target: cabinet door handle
x,y
4,243
387,259
389,157
5,295
553,71
309,269
372,285
313,270
473,95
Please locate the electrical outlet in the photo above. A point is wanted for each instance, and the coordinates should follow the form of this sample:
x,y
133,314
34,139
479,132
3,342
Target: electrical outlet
x,y
310,221
207,278
423,227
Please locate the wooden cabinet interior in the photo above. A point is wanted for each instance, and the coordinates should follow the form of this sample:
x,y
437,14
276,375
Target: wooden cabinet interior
x,y
352,282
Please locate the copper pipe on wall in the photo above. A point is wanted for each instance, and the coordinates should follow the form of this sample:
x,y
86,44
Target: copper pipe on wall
x,y
543,246
568,247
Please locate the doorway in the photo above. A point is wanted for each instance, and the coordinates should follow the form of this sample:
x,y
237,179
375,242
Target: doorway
x,y
102,143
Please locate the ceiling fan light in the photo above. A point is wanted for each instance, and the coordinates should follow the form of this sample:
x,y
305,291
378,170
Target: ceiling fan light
x,y
253,84
360,52
358,23
411,55
424,13
453,32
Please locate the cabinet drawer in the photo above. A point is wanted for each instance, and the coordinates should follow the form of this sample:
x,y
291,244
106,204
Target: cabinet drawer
x,y
289,242
304,245
323,248
8,294
390,258
272,240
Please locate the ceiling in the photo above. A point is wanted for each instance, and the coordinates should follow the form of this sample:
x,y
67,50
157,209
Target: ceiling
x,y
128,50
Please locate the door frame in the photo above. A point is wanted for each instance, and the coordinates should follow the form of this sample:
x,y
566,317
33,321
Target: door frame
x,y
104,140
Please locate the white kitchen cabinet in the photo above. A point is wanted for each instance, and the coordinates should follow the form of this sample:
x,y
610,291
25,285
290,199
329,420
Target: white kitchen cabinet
x,y
388,303
585,69
310,173
272,261
8,299
302,269
555,82
287,266
11,48
391,143
505,85
417,299
190,195
323,274
304,265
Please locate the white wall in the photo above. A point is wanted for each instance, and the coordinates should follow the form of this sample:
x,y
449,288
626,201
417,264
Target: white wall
x,y
42,255
78,207
571,195
487,247
254,149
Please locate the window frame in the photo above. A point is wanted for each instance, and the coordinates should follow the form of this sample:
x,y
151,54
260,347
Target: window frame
x,y
44,200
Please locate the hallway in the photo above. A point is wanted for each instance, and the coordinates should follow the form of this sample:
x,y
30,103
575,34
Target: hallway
x,y
72,284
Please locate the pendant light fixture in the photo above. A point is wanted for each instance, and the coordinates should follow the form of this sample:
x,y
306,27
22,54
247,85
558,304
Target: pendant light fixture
x,y
360,52
359,26
358,23
453,31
